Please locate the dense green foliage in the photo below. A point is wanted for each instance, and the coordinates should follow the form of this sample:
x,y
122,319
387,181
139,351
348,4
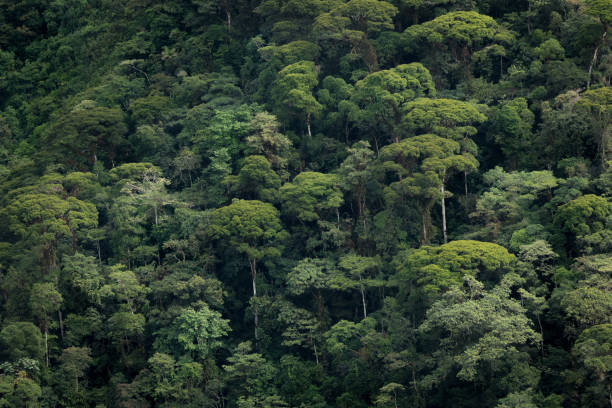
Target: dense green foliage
x,y
313,203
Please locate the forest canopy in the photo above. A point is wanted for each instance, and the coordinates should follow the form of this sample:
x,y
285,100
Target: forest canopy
x,y
314,203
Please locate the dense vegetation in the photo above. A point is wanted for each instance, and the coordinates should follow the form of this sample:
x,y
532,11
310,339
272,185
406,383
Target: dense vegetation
x,y
305,203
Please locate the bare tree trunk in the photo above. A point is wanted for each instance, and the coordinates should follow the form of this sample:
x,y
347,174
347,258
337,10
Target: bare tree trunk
x,y
61,323
443,214
229,23
46,347
308,125
604,146
594,60
424,217
253,263
363,302
99,252
314,345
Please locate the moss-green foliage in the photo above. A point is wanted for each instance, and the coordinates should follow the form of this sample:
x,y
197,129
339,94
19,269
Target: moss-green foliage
x,y
305,203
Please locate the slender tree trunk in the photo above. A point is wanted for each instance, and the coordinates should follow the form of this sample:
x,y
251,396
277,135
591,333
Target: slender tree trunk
x,y
414,382
61,323
346,132
253,263
99,252
229,23
541,333
46,347
308,125
594,59
320,306
424,218
465,183
443,214
363,301
314,346
604,146
74,242
155,212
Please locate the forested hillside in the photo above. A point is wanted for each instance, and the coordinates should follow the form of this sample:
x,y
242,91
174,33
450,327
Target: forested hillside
x,y
305,203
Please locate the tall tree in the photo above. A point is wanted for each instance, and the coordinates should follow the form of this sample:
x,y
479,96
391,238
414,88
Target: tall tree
x,y
356,22
293,90
45,300
252,228
461,32
598,103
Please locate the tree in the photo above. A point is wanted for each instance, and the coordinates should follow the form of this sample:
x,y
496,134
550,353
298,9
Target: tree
x,y
476,328
346,339
381,97
74,362
425,273
123,326
357,273
44,218
516,400
587,218
510,198
187,161
150,191
289,20
356,172
420,166
311,195
313,198
594,350
256,180
461,31
81,136
84,275
311,275
590,303
269,142
293,89
21,340
19,391
252,376
302,328
512,124
602,10
292,52
44,300
198,332
388,395
598,103
448,118
123,285
338,111
355,22
252,228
